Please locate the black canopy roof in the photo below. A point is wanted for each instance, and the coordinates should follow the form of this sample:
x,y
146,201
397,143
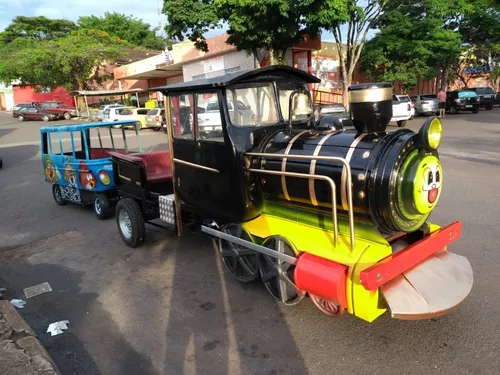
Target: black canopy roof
x,y
267,73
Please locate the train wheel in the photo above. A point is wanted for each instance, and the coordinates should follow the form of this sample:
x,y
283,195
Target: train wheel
x,y
329,308
277,275
240,261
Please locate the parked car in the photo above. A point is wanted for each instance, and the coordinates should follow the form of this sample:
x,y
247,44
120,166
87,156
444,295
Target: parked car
x,y
401,111
138,114
425,104
407,99
59,109
32,112
111,113
334,109
102,108
156,119
462,100
486,97
497,98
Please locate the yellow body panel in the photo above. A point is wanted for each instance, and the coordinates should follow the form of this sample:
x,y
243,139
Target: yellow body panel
x,y
319,242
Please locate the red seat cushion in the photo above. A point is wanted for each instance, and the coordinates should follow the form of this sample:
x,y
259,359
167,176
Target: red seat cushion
x,y
157,164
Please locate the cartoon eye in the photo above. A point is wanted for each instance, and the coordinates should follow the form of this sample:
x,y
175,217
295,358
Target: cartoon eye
x,y
438,176
429,176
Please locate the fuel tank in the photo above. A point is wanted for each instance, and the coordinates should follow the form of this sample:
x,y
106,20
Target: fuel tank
x,y
383,167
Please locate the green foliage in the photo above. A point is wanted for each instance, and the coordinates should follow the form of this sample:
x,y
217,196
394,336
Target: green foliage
x,y
72,61
39,28
416,39
128,28
253,24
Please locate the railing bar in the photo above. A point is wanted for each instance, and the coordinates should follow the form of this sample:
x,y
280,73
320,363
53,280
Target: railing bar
x,y
324,158
317,177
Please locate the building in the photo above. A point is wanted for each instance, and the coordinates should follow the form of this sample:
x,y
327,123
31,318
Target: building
x,y
40,94
186,63
6,98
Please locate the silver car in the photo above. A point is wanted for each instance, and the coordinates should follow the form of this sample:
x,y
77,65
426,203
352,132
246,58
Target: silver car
x,y
155,118
425,104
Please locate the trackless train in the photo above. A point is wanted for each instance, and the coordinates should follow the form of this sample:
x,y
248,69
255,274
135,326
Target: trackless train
x,y
311,207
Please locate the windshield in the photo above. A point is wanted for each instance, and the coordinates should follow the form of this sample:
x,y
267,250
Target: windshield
x,y
484,90
467,94
255,104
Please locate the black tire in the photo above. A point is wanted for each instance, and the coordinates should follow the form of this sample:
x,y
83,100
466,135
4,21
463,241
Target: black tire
x,y
101,206
454,111
128,208
475,110
20,118
1,163
401,123
488,107
67,115
56,193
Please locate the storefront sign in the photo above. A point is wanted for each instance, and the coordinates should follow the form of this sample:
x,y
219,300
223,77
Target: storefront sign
x,y
213,65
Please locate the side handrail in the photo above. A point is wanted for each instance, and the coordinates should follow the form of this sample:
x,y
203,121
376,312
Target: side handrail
x,y
316,177
345,185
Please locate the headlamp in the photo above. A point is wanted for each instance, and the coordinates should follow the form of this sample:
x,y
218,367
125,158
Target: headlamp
x,y
431,133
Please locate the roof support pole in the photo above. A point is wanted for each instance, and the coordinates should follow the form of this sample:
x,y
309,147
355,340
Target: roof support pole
x,y
87,106
76,106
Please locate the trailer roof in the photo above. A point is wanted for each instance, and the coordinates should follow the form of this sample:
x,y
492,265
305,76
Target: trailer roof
x,y
269,72
83,126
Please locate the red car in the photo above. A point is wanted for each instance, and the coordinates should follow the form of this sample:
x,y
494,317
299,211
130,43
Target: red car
x,y
59,109
31,112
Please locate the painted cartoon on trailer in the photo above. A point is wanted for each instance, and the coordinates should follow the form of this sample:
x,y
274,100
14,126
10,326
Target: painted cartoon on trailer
x,y
87,178
50,170
70,174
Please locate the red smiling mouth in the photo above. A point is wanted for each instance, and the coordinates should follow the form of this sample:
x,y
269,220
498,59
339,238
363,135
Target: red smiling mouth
x,y
432,195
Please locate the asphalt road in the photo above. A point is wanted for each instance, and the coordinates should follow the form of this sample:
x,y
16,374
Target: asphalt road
x,y
171,308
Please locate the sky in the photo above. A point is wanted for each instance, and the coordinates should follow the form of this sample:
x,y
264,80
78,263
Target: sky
x,y
147,10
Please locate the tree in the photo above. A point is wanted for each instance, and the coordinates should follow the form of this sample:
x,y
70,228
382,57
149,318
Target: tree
x,y
495,78
253,25
349,47
128,28
72,61
38,28
417,39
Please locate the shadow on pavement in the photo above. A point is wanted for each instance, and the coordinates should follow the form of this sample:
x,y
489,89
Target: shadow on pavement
x,y
215,324
488,117
14,156
67,302
6,131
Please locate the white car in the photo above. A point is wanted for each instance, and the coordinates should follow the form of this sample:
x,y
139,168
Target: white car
x,y
401,110
103,108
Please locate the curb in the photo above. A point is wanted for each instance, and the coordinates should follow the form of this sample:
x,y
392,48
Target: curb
x,y
19,347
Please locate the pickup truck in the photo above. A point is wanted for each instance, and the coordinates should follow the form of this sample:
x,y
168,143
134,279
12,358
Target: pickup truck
x,y
401,110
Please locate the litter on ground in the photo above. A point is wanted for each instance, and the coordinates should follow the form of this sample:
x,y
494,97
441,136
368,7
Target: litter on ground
x,y
35,290
19,303
57,327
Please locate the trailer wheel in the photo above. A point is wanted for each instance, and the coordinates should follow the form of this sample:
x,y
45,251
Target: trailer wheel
x,y
101,206
130,222
56,192
401,123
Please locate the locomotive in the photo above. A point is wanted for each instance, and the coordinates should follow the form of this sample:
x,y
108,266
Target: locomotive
x,y
312,207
